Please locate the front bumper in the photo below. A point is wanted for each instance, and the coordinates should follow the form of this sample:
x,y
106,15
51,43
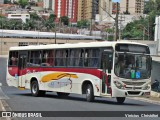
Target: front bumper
x,y
130,93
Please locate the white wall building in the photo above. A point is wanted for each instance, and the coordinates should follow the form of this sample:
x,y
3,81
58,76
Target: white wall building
x,y
49,4
46,4
23,17
123,19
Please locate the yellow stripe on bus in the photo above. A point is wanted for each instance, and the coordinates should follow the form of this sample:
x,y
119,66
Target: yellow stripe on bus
x,y
57,76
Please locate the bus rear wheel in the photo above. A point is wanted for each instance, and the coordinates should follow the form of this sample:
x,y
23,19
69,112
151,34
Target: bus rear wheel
x,y
35,89
62,95
89,93
120,99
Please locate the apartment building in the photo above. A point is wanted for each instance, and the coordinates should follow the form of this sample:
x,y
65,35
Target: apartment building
x,y
84,9
133,7
49,4
66,8
88,9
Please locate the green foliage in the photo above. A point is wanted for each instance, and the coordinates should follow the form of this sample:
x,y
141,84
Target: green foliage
x,y
135,29
110,38
64,20
34,23
7,1
23,3
109,30
149,6
34,16
52,17
82,23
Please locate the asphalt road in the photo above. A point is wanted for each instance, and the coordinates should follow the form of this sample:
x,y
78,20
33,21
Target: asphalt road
x,y
23,101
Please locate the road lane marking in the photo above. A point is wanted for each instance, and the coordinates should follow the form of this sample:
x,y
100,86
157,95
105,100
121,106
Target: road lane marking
x,y
3,95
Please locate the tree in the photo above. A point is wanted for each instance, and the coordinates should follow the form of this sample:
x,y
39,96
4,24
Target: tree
x,y
149,6
82,23
109,30
135,29
34,16
144,27
23,3
64,20
52,17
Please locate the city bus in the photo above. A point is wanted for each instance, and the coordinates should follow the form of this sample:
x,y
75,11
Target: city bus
x,y
96,69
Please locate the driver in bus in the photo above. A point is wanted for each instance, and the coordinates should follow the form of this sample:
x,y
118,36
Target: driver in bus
x,y
130,66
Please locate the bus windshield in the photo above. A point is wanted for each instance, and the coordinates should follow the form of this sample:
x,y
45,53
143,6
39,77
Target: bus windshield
x,y
132,66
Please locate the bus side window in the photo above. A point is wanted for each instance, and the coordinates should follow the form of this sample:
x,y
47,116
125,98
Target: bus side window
x,y
91,57
35,58
61,57
75,58
13,58
47,58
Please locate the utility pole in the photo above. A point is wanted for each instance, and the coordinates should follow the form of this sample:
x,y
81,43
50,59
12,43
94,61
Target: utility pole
x,y
55,34
148,28
120,25
91,27
143,33
116,23
91,22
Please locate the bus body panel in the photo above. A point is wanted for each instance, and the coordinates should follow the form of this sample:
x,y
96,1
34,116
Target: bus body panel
x,y
59,81
70,79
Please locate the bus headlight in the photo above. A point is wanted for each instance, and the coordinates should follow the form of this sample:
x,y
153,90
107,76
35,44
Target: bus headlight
x,y
146,87
119,85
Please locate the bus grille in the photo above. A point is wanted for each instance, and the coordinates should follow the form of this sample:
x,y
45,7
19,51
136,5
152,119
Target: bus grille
x,y
134,83
133,92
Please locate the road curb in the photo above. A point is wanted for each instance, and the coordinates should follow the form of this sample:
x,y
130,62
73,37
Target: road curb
x,y
147,100
154,95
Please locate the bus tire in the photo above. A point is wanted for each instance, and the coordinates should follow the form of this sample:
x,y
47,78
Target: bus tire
x,y
62,95
120,99
89,93
35,89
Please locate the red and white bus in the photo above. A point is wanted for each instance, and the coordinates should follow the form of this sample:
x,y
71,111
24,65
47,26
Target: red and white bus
x,y
97,69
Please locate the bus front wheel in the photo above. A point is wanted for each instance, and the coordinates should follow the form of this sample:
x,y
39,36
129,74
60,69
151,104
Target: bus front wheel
x,y
89,93
35,89
121,99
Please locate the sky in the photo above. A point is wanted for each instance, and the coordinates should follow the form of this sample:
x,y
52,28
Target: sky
x,y
115,0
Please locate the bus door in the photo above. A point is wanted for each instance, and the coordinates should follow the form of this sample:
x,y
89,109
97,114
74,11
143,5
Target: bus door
x,y
106,65
22,64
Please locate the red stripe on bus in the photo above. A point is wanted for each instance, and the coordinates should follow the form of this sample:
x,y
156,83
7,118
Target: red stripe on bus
x,y
14,70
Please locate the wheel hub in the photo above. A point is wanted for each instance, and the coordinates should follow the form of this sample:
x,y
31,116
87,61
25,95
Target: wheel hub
x,y
34,88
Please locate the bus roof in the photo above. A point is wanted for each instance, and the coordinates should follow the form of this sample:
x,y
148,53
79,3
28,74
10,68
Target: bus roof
x,y
72,45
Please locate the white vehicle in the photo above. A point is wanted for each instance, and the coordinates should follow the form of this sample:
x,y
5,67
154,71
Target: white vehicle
x,y
97,69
